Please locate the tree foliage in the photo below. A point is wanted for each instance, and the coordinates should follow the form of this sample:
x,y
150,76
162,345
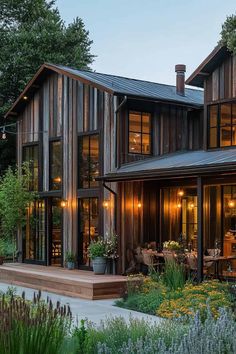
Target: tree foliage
x,y
228,33
15,197
32,32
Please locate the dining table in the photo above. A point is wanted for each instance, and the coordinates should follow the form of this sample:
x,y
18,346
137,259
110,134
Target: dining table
x,y
217,260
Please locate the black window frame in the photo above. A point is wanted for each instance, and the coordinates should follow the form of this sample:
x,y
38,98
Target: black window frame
x,y
219,126
82,136
51,142
32,146
141,132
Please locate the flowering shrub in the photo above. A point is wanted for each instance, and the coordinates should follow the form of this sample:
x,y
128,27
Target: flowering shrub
x,y
97,248
111,246
171,245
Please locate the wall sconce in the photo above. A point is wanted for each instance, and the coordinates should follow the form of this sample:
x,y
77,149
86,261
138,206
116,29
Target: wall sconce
x,y
25,98
180,193
64,203
231,204
106,204
139,205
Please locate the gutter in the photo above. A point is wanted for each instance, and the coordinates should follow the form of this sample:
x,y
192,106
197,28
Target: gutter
x,y
115,204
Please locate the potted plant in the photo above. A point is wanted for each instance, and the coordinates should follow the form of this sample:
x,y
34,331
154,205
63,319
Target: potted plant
x,y
171,246
97,252
70,260
111,252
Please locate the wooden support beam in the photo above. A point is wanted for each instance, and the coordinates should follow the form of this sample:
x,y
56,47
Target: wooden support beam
x,y
199,229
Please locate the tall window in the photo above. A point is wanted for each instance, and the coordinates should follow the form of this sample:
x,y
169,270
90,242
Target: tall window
x,y
88,161
139,133
222,125
55,165
30,155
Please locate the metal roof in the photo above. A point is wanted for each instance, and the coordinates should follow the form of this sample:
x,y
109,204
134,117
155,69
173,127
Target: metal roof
x,y
212,61
134,87
174,164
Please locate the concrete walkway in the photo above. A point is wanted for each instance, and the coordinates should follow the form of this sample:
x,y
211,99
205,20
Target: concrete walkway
x,y
93,311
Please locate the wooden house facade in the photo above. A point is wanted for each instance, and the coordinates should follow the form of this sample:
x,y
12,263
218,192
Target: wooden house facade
x,y
151,162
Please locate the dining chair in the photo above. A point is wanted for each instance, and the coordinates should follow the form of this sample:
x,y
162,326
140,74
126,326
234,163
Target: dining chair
x,y
149,261
169,256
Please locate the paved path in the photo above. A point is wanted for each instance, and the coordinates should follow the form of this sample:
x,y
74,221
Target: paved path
x,y
94,311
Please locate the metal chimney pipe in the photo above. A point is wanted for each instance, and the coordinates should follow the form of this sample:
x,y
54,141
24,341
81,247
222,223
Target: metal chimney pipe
x,y
180,70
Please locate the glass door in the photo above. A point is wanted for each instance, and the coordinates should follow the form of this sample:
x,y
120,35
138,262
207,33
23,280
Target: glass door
x,y
88,228
55,232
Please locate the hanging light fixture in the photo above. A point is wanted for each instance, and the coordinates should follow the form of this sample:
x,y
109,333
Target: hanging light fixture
x,y
231,203
4,135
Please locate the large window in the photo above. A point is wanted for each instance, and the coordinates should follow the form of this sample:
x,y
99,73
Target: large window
x,y
139,133
222,125
30,155
88,161
55,165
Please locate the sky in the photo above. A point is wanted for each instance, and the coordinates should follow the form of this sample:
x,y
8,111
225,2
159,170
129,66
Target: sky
x,y
144,39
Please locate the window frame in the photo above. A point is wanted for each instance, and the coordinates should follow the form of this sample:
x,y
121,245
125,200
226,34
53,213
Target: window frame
x,y
219,125
51,142
140,132
28,146
89,135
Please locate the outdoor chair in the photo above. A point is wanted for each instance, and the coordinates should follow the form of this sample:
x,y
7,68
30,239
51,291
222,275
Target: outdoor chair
x,y
192,264
150,261
169,256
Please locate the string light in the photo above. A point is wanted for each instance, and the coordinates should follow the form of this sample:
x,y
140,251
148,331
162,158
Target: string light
x,y
4,131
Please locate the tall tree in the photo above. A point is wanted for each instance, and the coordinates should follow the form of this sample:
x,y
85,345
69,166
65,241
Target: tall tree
x,y
228,33
32,32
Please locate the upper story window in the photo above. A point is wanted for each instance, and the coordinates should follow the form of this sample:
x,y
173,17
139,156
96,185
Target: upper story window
x,y
30,155
139,133
88,161
222,125
55,165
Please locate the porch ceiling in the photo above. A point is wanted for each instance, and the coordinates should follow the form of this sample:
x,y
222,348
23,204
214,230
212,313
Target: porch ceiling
x,y
178,164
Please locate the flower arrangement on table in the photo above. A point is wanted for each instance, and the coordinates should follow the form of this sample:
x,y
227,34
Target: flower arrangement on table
x,y
171,246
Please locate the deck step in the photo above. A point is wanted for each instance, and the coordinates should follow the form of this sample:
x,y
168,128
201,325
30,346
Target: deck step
x,y
76,283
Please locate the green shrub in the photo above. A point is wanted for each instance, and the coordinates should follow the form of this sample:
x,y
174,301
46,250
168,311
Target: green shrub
x,y
174,275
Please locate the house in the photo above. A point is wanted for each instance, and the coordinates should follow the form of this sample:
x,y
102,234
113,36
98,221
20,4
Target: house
x,y
153,162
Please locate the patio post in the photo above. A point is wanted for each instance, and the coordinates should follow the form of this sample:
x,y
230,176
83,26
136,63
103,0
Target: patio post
x,y
199,229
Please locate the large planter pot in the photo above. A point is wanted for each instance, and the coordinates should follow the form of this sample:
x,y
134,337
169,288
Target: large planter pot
x,y
99,265
1,260
70,265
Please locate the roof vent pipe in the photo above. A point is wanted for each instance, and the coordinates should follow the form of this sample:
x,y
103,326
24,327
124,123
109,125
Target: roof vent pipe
x,y
180,70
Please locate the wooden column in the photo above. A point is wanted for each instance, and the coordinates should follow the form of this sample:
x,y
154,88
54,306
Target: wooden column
x,y
200,229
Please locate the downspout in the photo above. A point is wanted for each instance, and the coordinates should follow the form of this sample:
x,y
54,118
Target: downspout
x,y
123,102
115,203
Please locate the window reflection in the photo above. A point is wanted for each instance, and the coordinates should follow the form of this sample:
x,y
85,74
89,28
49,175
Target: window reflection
x,y
30,155
139,133
55,165
88,161
88,218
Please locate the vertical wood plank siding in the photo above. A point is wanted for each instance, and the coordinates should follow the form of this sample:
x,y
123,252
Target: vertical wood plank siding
x,y
221,84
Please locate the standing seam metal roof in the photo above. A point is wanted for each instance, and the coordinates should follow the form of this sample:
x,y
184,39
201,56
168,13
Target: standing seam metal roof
x,y
135,87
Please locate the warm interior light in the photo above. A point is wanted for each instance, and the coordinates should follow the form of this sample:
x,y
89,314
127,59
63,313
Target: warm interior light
x,y
179,205
181,193
57,179
63,203
231,203
191,205
105,204
139,204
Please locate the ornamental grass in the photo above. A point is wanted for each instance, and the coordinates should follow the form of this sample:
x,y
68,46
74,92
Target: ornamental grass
x,y
28,327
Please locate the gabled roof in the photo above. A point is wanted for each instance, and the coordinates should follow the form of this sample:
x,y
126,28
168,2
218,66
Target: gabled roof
x,y
114,84
214,59
177,164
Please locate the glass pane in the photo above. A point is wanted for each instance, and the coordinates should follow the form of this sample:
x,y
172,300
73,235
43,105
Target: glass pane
x,y
30,232
146,126
41,244
225,114
233,113
135,143
30,155
146,143
213,138
84,162
94,160
135,122
225,136
56,166
56,227
213,115
229,223
93,218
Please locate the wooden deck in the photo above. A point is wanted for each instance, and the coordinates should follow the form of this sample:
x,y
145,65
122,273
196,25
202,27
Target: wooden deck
x,y
76,283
